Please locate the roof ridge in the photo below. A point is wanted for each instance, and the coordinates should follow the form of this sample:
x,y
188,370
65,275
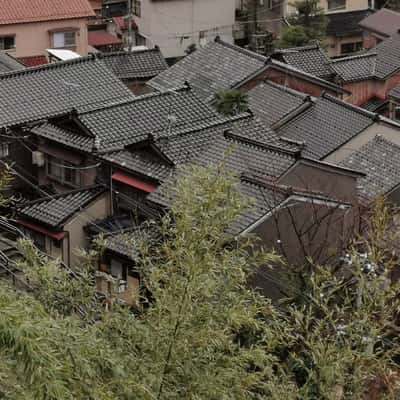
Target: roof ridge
x,y
286,89
49,66
381,138
124,53
356,56
240,49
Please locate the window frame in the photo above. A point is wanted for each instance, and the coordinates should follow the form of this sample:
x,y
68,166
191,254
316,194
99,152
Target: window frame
x,y
3,38
137,8
64,32
59,165
356,46
336,8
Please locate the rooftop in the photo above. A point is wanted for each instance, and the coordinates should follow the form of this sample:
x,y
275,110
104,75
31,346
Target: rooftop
x,y
23,11
384,22
214,67
103,38
42,92
342,24
9,63
55,211
380,160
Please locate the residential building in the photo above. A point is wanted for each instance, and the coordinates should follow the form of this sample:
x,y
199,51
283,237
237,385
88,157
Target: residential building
x,y
379,26
177,24
344,33
222,66
29,27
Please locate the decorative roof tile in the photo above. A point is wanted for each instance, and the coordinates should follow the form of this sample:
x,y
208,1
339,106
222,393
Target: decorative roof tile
x,y
22,11
56,210
380,160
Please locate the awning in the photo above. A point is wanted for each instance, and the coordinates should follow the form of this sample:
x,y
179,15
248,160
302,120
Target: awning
x,y
134,182
40,229
102,38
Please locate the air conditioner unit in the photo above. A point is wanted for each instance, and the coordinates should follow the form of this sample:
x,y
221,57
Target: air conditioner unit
x,y
38,158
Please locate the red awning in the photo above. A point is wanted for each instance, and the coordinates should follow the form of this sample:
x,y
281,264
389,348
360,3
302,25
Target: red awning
x,y
37,228
134,182
102,38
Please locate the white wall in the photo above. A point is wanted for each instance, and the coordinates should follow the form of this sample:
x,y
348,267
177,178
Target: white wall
x,y
169,24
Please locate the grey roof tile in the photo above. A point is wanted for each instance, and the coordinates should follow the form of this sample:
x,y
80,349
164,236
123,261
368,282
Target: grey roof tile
x,y
341,24
374,104
55,211
326,125
144,64
41,92
395,93
380,160
384,21
357,67
271,102
311,59
9,63
216,66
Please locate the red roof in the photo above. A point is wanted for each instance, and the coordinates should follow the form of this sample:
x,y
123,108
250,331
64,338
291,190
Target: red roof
x,y
121,23
33,61
102,38
134,182
20,11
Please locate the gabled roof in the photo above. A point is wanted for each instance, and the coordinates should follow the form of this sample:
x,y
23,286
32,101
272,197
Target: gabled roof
x,y
135,65
22,11
216,66
55,211
311,59
326,125
380,160
379,63
37,93
9,63
343,24
123,123
271,102
384,22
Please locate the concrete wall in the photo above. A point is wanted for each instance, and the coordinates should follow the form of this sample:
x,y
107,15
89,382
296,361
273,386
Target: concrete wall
x,y
169,24
32,39
389,132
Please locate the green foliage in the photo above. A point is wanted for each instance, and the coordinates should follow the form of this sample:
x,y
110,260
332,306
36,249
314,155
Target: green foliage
x,y
231,102
307,26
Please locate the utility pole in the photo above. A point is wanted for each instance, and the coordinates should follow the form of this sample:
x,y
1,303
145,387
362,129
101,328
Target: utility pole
x,y
129,19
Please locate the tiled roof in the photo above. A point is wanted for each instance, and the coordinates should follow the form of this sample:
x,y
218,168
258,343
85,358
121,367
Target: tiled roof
x,y
271,102
102,38
127,244
355,68
380,160
216,66
159,114
68,138
9,63
21,11
55,211
37,93
342,24
395,93
374,104
311,59
379,63
326,125
384,21
135,65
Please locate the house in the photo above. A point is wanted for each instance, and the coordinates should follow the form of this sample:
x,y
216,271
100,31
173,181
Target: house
x,y
379,26
55,223
380,160
221,66
327,128
29,27
370,74
344,33
176,25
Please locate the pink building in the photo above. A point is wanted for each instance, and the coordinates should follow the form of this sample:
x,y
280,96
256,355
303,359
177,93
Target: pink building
x,y
29,27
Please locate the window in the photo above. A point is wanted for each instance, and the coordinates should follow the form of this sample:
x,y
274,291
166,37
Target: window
x,y
137,8
63,172
64,39
7,42
4,150
347,48
120,271
336,5
397,113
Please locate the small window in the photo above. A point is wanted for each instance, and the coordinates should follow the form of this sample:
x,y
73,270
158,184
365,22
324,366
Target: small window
x,y
347,48
7,42
4,150
64,39
137,8
63,171
336,5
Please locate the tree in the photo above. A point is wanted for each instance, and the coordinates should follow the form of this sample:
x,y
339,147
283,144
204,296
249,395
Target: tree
x,y
309,22
231,102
